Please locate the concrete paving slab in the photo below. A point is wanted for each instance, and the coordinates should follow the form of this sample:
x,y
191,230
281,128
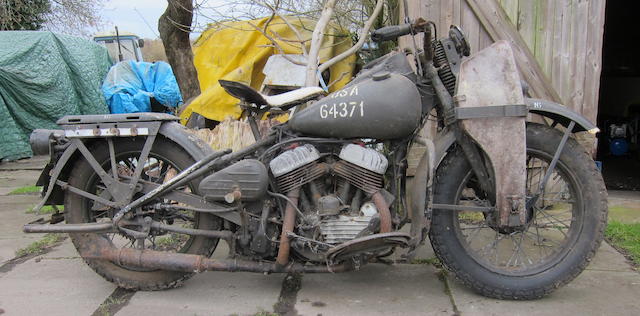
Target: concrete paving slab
x,y
623,195
375,290
609,259
65,250
13,213
423,252
9,246
11,180
12,218
52,287
594,292
33,163
211,293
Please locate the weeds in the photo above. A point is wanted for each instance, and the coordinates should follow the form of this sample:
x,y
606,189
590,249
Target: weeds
x,y
38,247
431,261
625,237
47,209
105,306
26,190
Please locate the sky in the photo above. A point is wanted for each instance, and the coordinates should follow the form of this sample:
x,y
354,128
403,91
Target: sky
x,y
138,16
130,16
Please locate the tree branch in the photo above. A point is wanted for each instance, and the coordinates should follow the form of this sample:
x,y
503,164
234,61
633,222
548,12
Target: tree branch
x,y
362,39
276,45
311,79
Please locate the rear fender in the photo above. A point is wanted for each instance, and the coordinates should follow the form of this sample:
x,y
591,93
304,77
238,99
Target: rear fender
x,y
60,169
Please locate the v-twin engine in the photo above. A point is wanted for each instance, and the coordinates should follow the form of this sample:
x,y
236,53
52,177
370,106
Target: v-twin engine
x,y
334,190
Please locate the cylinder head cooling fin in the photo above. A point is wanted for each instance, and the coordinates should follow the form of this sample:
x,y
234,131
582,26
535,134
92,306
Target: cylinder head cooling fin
x,y
296,167
292,159
444,72
362,167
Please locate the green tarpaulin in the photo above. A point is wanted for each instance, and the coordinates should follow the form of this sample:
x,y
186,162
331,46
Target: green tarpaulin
x,y
44,76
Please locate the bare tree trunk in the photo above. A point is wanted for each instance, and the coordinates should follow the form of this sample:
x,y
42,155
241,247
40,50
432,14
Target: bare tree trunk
x,y
174,26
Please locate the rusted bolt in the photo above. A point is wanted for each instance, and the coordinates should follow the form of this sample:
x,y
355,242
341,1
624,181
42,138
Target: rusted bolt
x,y
233,196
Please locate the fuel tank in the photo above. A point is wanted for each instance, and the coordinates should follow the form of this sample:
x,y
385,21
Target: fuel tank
x,y
385,106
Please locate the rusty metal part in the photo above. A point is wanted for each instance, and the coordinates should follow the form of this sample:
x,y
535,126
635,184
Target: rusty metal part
x,y
288,224
233,196
421,194
102,249
369,243
501,138
383,212
151,259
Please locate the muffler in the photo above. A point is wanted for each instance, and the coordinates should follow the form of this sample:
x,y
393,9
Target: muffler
x,y
151,259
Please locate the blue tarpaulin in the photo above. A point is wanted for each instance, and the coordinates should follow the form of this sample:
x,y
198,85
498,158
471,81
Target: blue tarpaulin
x,y
130,85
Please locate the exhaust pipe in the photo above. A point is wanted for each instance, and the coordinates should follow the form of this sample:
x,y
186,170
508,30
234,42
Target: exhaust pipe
x,y
383,211
151,259
288,225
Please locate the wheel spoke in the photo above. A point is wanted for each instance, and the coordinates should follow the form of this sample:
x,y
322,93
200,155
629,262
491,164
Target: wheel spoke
x,y
548,229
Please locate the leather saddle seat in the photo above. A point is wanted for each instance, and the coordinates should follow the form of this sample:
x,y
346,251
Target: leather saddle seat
x,y
284,101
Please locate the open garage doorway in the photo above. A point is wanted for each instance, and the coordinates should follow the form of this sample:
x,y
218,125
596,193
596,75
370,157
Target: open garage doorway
x,y
619,105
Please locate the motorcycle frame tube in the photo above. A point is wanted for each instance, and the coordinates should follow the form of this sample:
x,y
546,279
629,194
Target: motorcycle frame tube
x,y
214,161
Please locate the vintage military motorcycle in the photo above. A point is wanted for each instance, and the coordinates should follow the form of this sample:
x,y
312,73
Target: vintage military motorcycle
x,y
515,209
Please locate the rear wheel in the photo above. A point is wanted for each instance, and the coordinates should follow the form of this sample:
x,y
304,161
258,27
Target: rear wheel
x,y
165,160
562,233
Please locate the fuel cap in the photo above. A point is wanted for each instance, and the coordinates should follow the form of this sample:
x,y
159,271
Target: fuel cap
x,y
381,76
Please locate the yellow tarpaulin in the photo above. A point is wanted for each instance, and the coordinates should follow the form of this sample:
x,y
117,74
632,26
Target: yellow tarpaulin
x,y
237,51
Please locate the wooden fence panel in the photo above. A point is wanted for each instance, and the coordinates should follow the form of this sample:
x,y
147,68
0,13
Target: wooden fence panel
x,y
561,39
563,36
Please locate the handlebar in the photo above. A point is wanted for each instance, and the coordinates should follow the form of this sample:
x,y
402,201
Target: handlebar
x,y
391,32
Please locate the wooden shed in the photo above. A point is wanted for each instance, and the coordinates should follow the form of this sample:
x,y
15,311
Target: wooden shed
x,y
579,53
557,43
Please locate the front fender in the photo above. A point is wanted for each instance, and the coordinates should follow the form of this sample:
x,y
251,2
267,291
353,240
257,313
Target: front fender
x,y
560,114
445,140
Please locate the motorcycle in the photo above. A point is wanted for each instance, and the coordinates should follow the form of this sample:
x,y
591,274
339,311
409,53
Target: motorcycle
x,y
515,209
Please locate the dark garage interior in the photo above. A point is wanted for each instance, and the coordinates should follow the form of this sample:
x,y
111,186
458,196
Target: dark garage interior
x,y
619,105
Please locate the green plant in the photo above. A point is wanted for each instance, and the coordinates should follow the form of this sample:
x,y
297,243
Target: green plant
x,y
38,247
625,237
26,190
431,261
47,209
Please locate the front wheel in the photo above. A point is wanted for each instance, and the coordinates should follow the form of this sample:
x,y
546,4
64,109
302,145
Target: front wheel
x,y
563,231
